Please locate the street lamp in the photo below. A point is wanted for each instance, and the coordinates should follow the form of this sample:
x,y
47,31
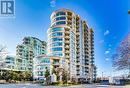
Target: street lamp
x,y
129,66
102,75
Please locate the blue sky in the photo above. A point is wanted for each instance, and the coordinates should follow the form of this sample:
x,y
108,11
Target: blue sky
x,y
108,18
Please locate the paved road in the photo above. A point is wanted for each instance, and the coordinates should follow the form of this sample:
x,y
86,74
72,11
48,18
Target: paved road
x,y
98,86
75,86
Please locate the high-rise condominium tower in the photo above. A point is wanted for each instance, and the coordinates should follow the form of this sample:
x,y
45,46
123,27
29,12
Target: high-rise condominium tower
x,y
25,52
70,37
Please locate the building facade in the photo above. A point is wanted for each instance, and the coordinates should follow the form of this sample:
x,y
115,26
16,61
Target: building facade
x,y
43,62
25,52
70,38
8,63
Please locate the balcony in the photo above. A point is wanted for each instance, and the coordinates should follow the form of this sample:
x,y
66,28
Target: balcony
x,y
67,41
92,58
77,26
77,38
86,41
67,56
69,23
56,63
77,34
77,69
69,13
67,47
67,32
77,18
67,51
86,63
86,68
77,61
92,48
77,30
67,29
86,71
69,18
77,23
78,49
67,37
78,64
78,57
92,62
86,32
86,52
77,43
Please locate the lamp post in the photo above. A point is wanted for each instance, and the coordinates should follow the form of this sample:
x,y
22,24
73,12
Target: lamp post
x,y
102,75
129,67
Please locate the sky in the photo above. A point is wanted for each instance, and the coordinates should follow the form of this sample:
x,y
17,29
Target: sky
x,y
108,18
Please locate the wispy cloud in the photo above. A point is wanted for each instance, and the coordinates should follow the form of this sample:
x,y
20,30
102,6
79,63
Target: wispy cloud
x,y
107,59
53,3
107,52
106,32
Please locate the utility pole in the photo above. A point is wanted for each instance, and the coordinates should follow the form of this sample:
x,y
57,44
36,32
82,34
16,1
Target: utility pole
x,y
102,75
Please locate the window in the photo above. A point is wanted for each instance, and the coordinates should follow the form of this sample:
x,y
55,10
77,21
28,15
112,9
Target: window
x,y
45,60
56,39
57,49
60,22
57,44
57,29
60,13
60,18
57,54
57,34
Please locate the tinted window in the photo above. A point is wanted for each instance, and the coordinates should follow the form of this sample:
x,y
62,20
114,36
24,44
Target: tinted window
x,y
60,18
61,22
57,49
56,39
57,34
60,13
57,29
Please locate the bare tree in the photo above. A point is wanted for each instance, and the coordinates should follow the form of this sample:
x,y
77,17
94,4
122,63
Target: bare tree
x,y
121,59
3,53
2,48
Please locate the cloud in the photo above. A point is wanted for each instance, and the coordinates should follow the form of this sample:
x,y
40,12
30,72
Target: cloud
x,y
106,32
107,59
101,41
107,52
53,3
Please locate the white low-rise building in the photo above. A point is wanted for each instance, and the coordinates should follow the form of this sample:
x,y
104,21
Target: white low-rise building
x,y
43,62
